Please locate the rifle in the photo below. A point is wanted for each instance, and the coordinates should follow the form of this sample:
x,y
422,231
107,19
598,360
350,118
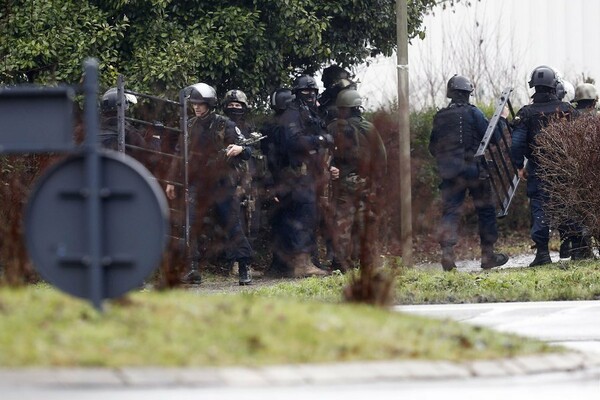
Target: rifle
x,y
254,138
249,202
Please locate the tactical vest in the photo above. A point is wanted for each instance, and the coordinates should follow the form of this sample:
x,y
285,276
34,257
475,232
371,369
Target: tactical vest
x,y
456,141
536,116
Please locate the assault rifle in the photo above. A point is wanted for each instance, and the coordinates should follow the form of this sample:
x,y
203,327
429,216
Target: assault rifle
x,y
496,162
249,200
254,138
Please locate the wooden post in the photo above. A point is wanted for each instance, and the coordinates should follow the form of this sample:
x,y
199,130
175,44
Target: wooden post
x,y
404,132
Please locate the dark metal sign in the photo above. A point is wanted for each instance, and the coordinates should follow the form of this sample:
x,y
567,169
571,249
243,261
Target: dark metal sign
x,y
132,230
36,119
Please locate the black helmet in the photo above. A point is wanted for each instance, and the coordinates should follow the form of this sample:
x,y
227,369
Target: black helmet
x,y
543,76
202,93
280,99
332,74
458,83
304,82
235,96
110,97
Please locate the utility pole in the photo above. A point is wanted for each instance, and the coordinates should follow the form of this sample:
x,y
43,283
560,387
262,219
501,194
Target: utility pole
x,y
404,132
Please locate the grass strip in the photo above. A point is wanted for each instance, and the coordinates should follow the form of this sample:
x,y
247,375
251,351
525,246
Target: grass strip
x,y
559,281
41,327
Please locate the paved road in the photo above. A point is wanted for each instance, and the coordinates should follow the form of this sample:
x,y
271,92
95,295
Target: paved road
x,y
581,385
575,324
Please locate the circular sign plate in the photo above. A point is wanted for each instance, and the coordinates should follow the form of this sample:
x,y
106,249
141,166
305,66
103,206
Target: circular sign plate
x,y
132,233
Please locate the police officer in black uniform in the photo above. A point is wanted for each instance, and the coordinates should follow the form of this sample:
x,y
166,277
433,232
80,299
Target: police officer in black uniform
x,y
273,147
303,139
214,153
109,131
531,119
455,137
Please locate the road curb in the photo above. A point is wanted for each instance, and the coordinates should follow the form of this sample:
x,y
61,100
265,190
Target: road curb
x,y
294,375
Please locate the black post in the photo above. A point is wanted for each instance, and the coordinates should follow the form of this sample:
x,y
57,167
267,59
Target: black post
x,y
93,260
121,102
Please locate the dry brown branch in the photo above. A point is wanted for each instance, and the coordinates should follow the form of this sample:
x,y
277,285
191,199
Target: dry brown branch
x,y
568,153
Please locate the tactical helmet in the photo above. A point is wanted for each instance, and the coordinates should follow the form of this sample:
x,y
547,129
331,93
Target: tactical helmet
x,y
565,91
560,90
348,98
332,74
304,82
344,84
586,91
460,83
236,96
202,93
280,99
111,97
543,76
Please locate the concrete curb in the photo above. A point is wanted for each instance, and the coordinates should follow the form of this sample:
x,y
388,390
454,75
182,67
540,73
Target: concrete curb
x,y
294,375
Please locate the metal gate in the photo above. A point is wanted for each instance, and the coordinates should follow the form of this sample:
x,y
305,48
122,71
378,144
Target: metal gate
x,y
180,207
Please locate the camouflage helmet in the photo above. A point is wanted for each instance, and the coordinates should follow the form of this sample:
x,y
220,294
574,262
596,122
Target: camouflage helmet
x,y
280,98
460,83
543,76
348,98
304,82
110,100
202,93
585,91
235,96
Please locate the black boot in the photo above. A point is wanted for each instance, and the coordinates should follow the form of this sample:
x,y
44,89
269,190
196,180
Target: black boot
x,y
542,257
448,259
244,272
193,277
489,259
565,248
582,249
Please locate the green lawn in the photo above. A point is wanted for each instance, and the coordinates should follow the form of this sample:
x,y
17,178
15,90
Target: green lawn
x,y
566,281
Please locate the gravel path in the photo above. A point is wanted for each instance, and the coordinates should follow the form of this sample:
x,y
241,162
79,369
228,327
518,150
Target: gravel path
x,y
516,261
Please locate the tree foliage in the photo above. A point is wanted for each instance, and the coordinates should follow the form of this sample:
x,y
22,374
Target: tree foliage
x,y
164,45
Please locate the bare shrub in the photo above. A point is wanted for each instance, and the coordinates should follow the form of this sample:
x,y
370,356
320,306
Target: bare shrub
x,y
17,174
568,153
